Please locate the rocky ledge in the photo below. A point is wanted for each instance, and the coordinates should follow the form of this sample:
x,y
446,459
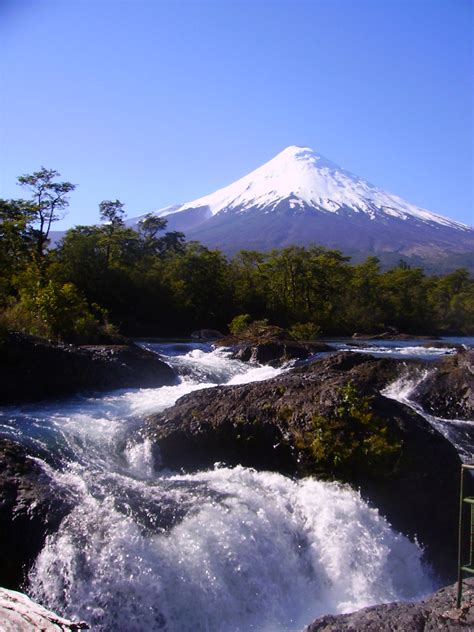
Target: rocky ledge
x,y
437,613
327,419
33,369
19,613
448,391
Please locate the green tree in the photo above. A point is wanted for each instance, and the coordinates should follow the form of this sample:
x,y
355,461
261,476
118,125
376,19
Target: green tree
x,y
15,243
364,308
112,215
49,201
451,298
199,281
149,226
404,295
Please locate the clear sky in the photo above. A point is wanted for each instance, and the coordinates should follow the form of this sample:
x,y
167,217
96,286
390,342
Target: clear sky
x,y
156,102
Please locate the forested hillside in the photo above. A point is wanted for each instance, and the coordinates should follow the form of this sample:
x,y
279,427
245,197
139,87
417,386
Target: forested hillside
x,y
109,278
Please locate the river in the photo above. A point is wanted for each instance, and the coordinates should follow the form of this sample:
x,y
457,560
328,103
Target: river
x,y
224,550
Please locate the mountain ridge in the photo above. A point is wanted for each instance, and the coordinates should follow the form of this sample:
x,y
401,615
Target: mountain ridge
x,y
300,197
302,175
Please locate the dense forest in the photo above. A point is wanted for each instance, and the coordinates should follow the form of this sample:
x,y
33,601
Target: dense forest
x,y
109,278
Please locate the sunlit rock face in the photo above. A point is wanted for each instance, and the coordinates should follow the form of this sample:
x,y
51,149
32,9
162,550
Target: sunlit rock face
x,y
18,613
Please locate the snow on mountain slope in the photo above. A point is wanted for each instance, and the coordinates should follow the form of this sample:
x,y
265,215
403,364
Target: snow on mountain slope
x,y
305,179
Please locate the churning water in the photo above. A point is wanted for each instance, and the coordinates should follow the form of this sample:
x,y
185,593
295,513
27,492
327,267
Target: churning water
x,y
225,550
459,432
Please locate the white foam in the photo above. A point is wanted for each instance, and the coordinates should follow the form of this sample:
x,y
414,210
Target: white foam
x,y
255,551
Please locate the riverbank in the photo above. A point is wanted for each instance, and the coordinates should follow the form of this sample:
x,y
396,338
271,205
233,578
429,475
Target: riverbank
x,y
437,613
34,369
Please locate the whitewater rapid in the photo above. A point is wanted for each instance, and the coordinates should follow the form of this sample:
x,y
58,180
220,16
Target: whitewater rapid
x,y
459,432
224,550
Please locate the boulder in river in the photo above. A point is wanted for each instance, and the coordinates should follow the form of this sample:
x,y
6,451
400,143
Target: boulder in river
x,y
278,352
33,369
327,419
437,613
31,507
268,344
448,389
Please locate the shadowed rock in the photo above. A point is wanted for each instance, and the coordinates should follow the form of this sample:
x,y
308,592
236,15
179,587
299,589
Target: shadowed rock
x,y
33,369
31,507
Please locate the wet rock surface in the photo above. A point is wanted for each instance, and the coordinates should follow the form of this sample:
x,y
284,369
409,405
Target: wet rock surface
x,y
270,345
33,369
19,613
277,353
448,391
437,613
31,507
263,425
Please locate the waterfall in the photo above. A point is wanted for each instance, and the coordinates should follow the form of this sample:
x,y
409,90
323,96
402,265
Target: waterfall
x,y
229,549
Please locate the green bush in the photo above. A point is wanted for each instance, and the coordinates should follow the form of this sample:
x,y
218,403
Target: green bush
x,y
53,311
305,331
239,323
352,441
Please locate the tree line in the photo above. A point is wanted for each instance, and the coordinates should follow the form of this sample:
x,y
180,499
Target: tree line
x,y
144,281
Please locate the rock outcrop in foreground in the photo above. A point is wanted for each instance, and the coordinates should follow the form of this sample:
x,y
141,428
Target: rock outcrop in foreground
x,y
33,369
293,424
437,613
18,613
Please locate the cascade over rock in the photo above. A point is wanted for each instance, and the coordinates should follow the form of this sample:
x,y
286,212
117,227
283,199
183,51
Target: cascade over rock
x,y
449,390
263,425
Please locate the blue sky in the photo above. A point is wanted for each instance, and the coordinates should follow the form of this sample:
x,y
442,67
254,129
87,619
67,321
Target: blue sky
x,y
157,102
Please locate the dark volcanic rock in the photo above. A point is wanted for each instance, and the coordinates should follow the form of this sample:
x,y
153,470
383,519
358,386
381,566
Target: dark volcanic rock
x,y
438,613
32,369
31,507
268,344
448,390
276,353
264,424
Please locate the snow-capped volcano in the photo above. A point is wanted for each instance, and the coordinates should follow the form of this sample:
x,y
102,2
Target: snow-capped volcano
x,y
300,197
305,178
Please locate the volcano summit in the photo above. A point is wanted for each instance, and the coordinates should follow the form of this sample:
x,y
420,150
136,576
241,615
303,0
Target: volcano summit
x,y
299,197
